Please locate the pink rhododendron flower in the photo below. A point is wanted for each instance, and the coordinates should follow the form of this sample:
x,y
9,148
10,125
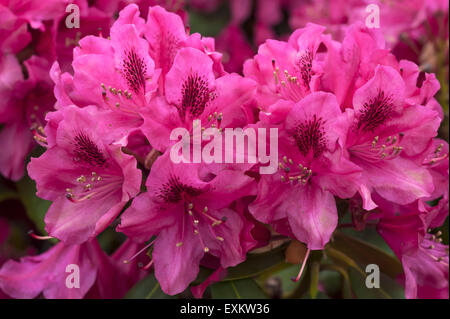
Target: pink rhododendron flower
x,y
420,87
424,257
113,6
166,35
100,276
286,70
298,199
94,180
437,162
23,106
135,65
56,42
14,35
34,11
46,273
128,81
190,218
435,159
397,18
352,63
354,128
383,127
192,93
234,47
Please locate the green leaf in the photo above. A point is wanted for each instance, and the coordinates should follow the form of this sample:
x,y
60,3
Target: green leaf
x,y
342,259
257,264
210,24
346,288
35,207
331,282
349,263
365,253
237,289
362,292
147,288
314,285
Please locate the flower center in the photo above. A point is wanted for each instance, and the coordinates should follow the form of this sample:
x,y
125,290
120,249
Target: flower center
x,y
378,149
310,137
304,63
93,186
134,70
196,95
294,173
376,111
174,191
433,247
436,157
87,151
290,86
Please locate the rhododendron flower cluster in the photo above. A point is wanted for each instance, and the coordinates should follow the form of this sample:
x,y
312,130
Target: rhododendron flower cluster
x,y
357,132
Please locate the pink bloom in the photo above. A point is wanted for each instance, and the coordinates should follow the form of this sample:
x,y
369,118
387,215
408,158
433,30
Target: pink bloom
x,y
383,126
286,70
100,276
350,64
262,33
111,7
116,274
46,273
57,41
298,199
397,18
234,47
130,268
240,10
424,257
435,159
87,177
258,233
330,13
35,11
14,35
166,35
437,163
192,92
190,218
269,12
22,108
133,65
125,83
426,270
420,87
